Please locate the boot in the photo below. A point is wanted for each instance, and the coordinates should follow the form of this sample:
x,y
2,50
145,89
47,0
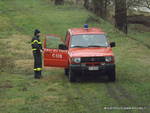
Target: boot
x,y
37,75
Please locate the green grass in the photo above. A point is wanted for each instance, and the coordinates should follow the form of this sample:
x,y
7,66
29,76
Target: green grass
x,y
140,33
21,93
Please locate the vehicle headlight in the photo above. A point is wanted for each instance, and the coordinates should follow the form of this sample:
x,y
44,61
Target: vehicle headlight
x,y
76,60
108,59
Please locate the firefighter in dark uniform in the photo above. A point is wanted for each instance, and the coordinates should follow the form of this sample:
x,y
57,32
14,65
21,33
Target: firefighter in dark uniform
x,y
37,53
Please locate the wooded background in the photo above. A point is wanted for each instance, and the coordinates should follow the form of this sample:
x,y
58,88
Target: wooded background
x,y
103,8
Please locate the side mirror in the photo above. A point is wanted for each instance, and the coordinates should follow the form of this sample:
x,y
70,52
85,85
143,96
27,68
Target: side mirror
x,y
62,47
112,44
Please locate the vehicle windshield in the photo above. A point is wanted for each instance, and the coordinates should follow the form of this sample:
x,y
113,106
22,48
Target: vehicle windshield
x,y
81,41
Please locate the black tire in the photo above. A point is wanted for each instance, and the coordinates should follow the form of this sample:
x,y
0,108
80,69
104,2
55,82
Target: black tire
x,y
112,75
71,76
66,71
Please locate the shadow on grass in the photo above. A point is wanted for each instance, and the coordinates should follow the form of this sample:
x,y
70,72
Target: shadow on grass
x,y
92,78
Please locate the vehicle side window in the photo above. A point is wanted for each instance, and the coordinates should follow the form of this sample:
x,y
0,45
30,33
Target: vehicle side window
x,y
66,36
67,39
52,42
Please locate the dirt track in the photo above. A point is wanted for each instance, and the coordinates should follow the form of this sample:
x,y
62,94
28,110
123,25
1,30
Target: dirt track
x,y
124,99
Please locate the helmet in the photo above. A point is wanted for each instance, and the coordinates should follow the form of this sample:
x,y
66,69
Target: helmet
x,y
36,31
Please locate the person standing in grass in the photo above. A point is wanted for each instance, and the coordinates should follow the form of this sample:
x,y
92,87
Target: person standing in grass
x,y
37,53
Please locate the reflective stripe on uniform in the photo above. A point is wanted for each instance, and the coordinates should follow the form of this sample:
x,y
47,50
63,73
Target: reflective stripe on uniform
x,y
36,41
39,43
34,49
37,69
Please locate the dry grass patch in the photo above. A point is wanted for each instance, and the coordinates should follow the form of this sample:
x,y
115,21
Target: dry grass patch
x,y
6,63
20,42
6,85
49,98
24,66
25,63
18,52
52,77
52,68
18,46
14,101
54,87
4,23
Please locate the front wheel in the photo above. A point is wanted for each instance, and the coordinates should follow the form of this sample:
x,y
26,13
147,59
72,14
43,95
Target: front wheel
x,y
71,76
112,75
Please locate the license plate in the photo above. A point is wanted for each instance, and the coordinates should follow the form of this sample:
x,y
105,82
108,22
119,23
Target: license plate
x,y
93,68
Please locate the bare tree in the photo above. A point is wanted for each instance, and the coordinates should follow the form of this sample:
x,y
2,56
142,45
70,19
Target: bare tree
x,y
86,4
59,2
138,3
99,7
121,15
147,3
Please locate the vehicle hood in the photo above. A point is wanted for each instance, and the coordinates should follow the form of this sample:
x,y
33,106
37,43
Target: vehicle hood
x,y
90,52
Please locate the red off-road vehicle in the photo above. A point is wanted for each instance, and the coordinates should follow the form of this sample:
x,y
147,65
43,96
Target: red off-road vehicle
x,y
84,50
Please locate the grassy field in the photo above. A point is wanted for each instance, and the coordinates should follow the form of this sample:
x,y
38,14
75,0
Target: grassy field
x,y
21,93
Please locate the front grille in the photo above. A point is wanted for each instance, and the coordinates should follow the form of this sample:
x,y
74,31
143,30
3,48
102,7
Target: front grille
x,y
92,59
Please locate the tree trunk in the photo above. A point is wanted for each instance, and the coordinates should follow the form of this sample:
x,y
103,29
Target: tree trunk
x,y
100,8
86,4
121,15
59,2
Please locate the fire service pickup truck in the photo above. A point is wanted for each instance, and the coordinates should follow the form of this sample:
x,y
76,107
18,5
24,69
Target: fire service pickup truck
x,y
84,50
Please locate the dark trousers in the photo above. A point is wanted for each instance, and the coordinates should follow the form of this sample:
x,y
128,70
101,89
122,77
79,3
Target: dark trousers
x,y
37,64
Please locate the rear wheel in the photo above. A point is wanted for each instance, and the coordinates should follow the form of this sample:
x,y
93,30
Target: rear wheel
x,y
71,76
112,75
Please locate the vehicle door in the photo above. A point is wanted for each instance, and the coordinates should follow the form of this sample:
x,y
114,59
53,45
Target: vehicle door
x,y
54,57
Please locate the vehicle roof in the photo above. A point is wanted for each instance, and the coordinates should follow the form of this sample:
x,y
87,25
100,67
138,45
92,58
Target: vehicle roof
x,y
79,31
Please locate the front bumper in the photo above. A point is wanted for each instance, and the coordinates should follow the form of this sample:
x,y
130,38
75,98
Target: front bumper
x,y
84,68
